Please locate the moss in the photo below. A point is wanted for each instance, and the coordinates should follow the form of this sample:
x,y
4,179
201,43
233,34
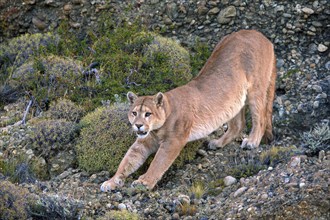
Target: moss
x,y
65,109
277,154
14,201
119,215
104,139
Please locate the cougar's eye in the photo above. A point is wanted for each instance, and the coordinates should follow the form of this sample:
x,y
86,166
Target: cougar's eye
x,y
134,113
147,114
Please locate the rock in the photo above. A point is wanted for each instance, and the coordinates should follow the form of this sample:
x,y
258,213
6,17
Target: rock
x,y
308,11
322,48
226,15
41,25
214,11
240,191
121,206
229,180
295,162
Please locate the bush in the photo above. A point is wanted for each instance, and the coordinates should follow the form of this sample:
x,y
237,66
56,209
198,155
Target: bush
x,y
277,154
56,207
52,141
65,109
317,139
48,78
51,136
14,201
188,153
104,138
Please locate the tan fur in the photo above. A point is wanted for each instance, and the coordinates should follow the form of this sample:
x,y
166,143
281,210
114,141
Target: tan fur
x,y
240,72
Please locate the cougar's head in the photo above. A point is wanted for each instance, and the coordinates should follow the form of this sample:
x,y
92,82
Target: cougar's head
x,y
147,113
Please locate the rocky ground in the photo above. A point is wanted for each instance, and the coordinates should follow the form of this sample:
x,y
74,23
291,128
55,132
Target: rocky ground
x,y
288,181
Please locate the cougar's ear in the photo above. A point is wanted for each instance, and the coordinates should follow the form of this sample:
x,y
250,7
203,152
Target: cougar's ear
x,y
131,97
159,99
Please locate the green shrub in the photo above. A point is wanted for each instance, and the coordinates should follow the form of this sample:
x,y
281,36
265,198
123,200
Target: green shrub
x,y
14,201
104,138
51,136
52,143
318,138
65,109
48,78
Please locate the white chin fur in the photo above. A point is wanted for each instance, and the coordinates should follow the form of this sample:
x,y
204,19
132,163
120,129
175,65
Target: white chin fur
x,y
142,135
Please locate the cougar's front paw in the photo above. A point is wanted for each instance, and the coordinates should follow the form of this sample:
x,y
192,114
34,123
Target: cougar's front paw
x,y
141,184
111,184
247,144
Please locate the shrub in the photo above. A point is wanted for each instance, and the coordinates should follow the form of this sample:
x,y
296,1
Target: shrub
x,y
199,55
56,207
198,189
104,139
14,201
65,109
245,170
52,142
277,154
318,138
51,136
48,78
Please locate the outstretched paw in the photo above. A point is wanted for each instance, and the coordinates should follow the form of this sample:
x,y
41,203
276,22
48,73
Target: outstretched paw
x,y
111,184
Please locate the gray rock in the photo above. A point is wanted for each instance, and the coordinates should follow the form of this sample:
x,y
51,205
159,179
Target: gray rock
x,y
229,180
122,206
226,15
240,191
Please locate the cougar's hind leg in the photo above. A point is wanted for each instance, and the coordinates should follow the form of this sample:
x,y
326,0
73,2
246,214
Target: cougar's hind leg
x,y
268,136
235,126
257,106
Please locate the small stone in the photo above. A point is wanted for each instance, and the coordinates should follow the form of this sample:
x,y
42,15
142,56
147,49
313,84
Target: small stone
x,y
214,11
167,20
184,199
202,152
322,48
41,25
317,88
264,196
295,162
226,15
30,2
229,180
270,168
240,191
302,185
67,7
316,104
122,206
308,11
176,216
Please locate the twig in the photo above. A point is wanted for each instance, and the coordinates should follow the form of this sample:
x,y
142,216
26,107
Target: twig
x,y
26,111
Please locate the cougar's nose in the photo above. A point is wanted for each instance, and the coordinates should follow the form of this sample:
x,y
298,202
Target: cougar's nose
x,y
138,126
